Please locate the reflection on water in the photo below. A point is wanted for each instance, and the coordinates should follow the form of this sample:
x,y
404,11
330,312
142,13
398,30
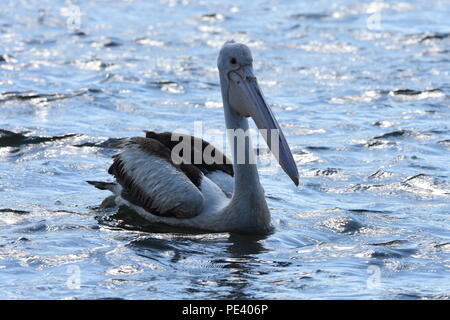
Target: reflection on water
x,y
364,104
241,264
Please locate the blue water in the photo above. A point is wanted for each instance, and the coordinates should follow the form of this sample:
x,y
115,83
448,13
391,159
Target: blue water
x,y
361,89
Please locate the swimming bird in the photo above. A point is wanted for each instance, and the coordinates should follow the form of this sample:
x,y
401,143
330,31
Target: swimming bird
x,y
223,196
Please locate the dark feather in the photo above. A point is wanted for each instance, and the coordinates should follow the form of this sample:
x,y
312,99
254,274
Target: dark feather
x,y
165,138
132,191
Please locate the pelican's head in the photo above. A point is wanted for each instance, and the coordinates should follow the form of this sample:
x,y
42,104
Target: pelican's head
x,y
232,56
243,95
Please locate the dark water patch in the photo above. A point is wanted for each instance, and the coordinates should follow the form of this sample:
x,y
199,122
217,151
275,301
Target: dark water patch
x,y
367,211
28,95
107,43
407,92
378,143
417,176
378,123
395,134
327,172
416,296
39,42
150,242
379,174
94,90
79,34
14,211
212,17
156,248
112,44
385,252
442,245
40,226
12,139
389,243
411,92
408,296
113,143
6,58
161,83
295,26
310,16
59,211
318,148
40,97
437,131
273,197
364,187
167,86
435,36
423,167
245,245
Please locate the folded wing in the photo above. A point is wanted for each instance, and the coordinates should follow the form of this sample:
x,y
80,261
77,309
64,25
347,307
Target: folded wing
x,y
150,179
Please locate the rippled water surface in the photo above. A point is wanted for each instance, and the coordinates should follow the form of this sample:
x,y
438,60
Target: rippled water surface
x,y
361,89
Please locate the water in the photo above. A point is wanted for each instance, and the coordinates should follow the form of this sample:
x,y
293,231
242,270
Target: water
x,y
361,88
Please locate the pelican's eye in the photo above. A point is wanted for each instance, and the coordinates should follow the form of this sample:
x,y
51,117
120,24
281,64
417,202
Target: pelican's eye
x,y
233,61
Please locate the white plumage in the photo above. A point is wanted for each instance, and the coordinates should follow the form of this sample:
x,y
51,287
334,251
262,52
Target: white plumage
x,y
223,180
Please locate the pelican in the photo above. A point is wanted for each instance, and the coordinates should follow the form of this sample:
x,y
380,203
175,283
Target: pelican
x,y
220,197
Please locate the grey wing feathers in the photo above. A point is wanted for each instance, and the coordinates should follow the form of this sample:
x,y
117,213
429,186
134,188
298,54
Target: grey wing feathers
x,y
151,180
198,146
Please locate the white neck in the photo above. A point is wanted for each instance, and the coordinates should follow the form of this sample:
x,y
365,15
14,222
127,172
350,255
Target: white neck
x,y
247,208
245,170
